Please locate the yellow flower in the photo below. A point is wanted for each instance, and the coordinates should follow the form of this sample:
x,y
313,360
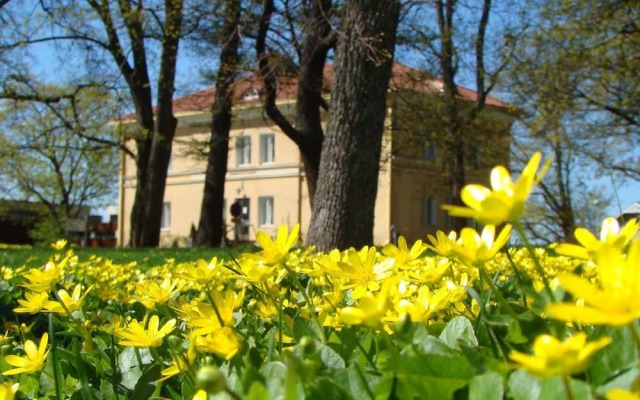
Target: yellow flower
x,y
504,202
33,302
224,342
33,361
615,301
227,304
275,252
200,395
425,304
362,273
136,335
59,245
610,233
266,309
8,390
472,248
443,244
45,279
150,293
69,303
404,257
369,311
621,394
202,272
552,357
4,338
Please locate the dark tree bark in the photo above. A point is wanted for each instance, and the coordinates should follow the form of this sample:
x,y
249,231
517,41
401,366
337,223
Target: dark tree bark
x,y
307,132
343,212
155,140
210,229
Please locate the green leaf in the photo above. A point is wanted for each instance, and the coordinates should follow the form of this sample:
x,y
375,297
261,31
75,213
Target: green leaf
x,y
128,359
435,346
459,331
29,386
357,383
304,327
257,391
147,382
129,365
280,382
432,375
486,387
617,358
524,386
329,357
325,388
514,333
626,379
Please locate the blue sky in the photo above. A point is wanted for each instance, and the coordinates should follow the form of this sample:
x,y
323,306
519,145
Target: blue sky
x,y
189,79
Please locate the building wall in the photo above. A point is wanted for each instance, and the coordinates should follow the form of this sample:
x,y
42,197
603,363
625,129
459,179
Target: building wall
x,y
419,183
406,179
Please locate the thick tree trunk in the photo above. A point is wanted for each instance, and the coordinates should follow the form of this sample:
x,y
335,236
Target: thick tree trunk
x,y
343,212
210,227
156,148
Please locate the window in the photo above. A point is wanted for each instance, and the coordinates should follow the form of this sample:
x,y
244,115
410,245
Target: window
x,y
265,212
165,222
428,150
267,148
243,150
448,218
428,210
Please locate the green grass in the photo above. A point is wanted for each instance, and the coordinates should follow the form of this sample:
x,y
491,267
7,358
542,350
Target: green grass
x,y
38,256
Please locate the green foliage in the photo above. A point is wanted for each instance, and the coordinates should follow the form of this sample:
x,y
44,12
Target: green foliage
x,y
48,230
285,335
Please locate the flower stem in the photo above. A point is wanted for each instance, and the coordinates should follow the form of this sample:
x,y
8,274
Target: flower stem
x,y
567,386
305,295
635,335
536,261
54,358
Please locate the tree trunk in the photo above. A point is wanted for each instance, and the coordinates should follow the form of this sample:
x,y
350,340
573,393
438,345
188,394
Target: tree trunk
x,y
343,212
155,145
210,227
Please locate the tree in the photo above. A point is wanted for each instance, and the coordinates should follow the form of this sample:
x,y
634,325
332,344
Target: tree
x,y
463,45
128,32
574,78
343,210
581,61
58,153
567,197
311,43
210,226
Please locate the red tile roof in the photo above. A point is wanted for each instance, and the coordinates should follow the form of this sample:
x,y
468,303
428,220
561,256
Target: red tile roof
x,y
403,77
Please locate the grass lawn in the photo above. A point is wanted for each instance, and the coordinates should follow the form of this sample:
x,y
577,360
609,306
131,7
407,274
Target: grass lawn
x,y
38,256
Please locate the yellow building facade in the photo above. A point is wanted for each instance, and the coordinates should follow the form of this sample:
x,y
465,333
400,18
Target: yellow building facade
x,y
266,177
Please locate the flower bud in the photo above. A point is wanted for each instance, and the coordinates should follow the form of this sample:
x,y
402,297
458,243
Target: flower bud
x,y
307,346
210,379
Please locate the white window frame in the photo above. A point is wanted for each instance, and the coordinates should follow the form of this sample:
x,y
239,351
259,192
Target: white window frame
x,y
267,148
429,210
165,221
265,211
243,150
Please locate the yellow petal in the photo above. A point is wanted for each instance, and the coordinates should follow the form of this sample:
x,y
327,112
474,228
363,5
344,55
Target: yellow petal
x,y
587,315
